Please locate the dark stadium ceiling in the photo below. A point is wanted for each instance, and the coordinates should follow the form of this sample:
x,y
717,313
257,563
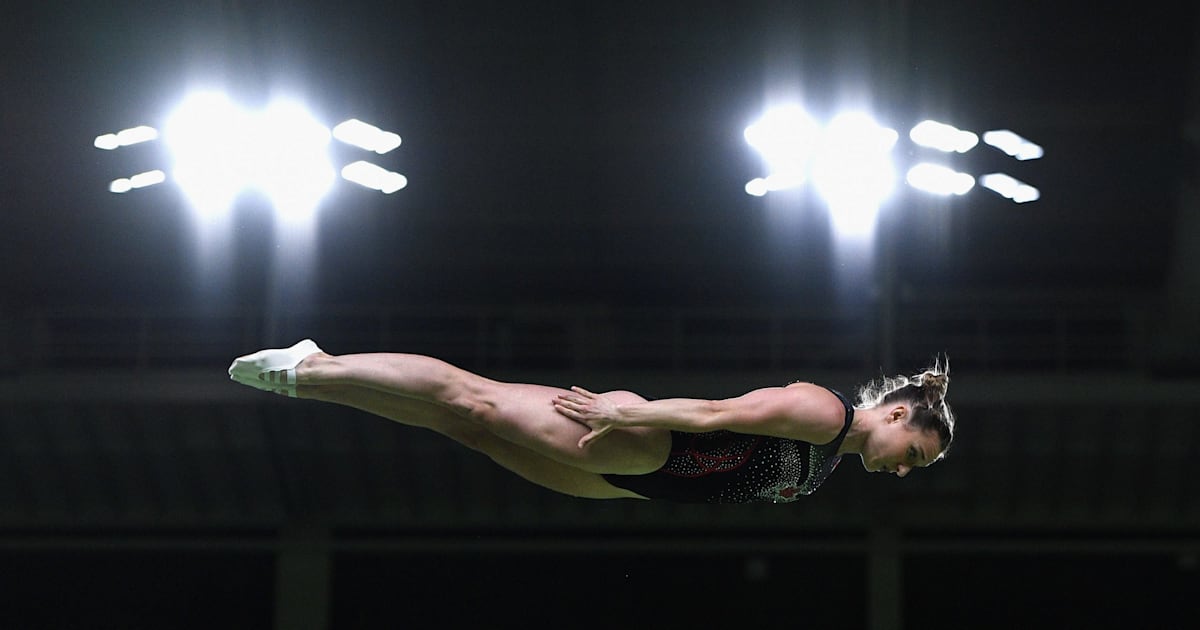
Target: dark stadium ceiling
x,y
593,153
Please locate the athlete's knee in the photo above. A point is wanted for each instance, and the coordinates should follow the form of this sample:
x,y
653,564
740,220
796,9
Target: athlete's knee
x,y
473,398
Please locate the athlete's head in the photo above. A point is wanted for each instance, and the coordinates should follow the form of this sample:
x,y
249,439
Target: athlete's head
x,y
916,424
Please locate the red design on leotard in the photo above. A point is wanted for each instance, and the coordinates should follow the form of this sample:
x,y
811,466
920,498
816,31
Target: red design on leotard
x,y
716,460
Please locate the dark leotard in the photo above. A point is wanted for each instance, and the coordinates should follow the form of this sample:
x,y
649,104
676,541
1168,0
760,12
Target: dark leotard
x,y
727,467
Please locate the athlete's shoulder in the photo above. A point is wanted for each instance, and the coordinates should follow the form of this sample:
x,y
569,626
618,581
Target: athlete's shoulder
x,y
823,409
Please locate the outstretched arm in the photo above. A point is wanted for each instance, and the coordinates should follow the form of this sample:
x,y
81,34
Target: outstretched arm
x,y
801,411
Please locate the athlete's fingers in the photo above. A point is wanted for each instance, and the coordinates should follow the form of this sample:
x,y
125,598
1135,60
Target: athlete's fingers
x,y
573,405
568,410
572,398
594,435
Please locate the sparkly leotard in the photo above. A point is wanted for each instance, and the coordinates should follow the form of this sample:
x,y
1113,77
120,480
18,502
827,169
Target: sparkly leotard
x,y
727,467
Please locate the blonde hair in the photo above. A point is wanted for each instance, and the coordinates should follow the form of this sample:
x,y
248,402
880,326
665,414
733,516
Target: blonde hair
x,y
925,392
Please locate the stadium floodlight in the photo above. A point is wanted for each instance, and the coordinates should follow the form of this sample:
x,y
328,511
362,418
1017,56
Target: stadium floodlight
x,y
787,138
293,167
853,171
1010,187
141,180
848,161
757,187
366,136
125,137
760,186
1013,144
200,133
943,137
149,178
374,177
939,180
221,149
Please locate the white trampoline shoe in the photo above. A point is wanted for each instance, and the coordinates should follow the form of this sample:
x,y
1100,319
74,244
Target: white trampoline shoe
x,y
272,370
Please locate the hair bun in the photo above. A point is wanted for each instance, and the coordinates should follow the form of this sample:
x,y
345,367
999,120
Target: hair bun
x,y
933,386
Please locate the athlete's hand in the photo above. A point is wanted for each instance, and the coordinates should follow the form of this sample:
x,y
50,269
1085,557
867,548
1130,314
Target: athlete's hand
x,y
591,410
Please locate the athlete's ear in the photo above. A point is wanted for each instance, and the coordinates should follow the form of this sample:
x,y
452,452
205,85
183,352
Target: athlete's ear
x,y
899,413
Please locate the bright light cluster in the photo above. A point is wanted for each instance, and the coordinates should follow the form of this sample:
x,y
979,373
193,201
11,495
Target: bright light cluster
x,y
854,173
126,137
141,180
849,161
939,180
220,149
375,177
1013,144
366,136
1009,187
943,137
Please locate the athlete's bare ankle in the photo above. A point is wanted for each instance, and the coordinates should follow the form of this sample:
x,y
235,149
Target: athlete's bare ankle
x,y
317,369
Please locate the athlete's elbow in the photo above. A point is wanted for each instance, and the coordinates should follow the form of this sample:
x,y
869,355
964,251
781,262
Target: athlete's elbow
x,y
715,414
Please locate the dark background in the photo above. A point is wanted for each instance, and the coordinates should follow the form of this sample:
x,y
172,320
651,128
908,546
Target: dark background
x,y
575,214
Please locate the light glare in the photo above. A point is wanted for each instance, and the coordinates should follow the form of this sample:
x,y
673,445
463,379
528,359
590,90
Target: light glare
x,y
943,137
1013,144
374,177
141,180
366,136
854,172
221,149
142,133
125,137
939,180
205,134
108,142
149,178
787,138
292,168
1010,187
756,187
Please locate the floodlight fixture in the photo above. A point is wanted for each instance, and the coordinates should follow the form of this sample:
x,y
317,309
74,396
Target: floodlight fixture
x,y
939,180
374,177
221,149
848,161
366,136
1013,144
120,186
141,180
1010,187
125,137
854,171
757,187
943,137
796,148
787,137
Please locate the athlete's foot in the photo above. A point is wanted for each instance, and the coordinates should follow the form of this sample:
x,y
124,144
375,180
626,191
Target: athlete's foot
x,y
276,370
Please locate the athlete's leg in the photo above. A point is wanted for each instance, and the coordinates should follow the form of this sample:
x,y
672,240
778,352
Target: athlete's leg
x,y
524,462
519,413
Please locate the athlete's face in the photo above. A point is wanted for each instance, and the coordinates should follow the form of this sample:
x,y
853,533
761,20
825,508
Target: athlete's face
x,y
896,447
